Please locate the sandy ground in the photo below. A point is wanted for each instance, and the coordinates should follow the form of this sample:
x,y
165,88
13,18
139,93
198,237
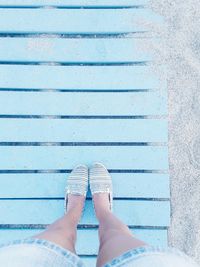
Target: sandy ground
x,y
179,50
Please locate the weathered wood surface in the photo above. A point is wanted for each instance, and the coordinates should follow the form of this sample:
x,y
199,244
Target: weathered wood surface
x,y
66,100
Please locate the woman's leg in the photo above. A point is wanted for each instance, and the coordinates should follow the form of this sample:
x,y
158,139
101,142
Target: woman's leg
x,y
63,231
114,236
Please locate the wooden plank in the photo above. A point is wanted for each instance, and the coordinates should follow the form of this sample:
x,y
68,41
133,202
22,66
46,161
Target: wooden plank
x,y
73,50
90,21
153,237
51,185
66,157
76,130
143,213
79,77
74,3
89,260
57,103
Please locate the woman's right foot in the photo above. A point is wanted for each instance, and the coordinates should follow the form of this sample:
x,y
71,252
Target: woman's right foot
x,y
101,189
76,190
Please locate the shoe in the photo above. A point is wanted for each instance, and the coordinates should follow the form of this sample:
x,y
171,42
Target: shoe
x,y
100,181
77,183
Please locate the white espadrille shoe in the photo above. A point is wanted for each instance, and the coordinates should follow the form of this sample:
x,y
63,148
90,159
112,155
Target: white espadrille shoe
x,y
77,183
100,181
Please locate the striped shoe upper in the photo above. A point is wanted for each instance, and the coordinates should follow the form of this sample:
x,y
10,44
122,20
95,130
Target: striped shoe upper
x,y
100,180
77,182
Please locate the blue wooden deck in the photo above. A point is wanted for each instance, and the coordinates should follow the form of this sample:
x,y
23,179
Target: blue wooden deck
x,y
75,88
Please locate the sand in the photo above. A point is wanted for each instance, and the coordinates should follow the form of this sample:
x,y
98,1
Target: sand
x,y
179,52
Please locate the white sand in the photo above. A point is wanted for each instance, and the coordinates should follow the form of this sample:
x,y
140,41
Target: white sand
x,y
179,50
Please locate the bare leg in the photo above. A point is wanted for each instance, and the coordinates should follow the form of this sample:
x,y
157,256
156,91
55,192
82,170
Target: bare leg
x,y
64,230
114,236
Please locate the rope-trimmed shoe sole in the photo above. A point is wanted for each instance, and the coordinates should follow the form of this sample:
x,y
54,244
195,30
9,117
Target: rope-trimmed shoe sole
x,y
100,181
77,183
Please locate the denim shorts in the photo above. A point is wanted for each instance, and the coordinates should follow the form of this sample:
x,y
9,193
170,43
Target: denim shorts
x,y
33,252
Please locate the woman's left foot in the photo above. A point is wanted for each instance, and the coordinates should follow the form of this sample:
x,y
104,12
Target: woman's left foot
x,y
101,189
76,190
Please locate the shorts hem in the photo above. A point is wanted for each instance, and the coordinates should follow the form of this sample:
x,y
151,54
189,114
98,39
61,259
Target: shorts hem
x,y
70,256
135,253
